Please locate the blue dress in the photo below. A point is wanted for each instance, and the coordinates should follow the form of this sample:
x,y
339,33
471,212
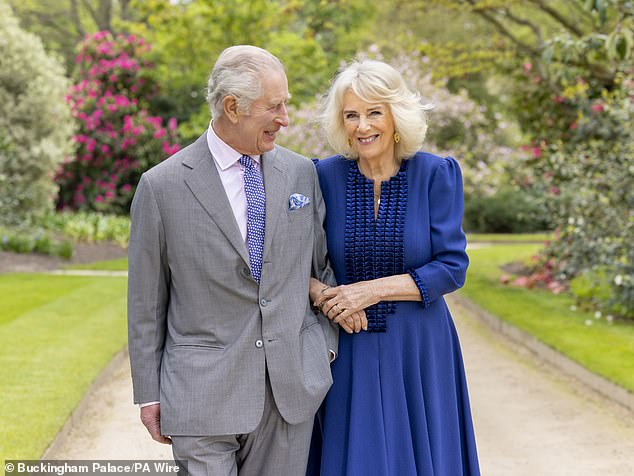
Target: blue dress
x,y
399,404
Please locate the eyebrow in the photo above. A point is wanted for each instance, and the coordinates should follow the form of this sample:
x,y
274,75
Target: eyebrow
x,y
373,108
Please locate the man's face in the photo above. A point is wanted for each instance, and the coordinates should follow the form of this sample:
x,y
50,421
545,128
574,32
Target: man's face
x,y
258,128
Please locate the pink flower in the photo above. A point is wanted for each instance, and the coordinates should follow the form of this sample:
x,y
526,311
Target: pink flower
x,y
105,149
597,107
559,99
109,194
573,126
91,145
554,190
127,187
99,198
171,124
159,133
524,282
536,152
527,67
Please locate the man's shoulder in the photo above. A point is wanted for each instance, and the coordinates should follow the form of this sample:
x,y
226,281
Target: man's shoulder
x,y
173,165
292,158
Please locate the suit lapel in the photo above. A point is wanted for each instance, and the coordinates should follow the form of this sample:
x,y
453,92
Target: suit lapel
x,y
275,188
203,180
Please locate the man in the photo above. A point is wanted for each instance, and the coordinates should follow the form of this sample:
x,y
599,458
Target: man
x,y
227,357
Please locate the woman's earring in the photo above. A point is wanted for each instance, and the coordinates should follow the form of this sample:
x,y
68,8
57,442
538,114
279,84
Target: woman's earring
x,y
349,142
397,137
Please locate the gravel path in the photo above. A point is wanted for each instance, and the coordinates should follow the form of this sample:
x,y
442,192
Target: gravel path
x,y
530,420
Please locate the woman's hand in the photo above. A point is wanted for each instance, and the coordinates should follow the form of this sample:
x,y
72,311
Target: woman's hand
x,y
341,302
354,322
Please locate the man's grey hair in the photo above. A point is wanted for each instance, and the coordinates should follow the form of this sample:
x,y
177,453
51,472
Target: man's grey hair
x,y
238,72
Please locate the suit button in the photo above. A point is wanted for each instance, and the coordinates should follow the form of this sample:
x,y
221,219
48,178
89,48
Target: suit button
x,y
246,272
258,343
263,302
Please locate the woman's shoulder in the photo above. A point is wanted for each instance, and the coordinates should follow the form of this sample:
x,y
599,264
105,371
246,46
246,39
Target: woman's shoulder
x,y
428,164
331,164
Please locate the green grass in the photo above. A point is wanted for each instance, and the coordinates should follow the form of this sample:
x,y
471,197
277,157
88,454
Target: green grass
x,y
508,237
56,334
120,264
606,349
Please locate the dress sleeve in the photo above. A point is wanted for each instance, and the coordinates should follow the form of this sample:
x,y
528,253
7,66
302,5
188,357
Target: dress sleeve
x,y
447,269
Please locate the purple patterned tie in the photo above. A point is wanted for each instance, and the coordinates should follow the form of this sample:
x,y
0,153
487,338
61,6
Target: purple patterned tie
x,y
256,214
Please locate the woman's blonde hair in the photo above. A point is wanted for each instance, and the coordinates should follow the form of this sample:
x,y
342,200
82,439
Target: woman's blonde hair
x,y
376,82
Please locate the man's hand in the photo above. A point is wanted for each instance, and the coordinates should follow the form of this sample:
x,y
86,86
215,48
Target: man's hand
x,y
151,418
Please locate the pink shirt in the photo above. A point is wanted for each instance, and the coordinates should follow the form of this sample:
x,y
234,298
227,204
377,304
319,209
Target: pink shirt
x,y
232,176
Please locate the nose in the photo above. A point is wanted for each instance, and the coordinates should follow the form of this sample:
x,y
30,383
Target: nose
x,y
363,123
282,120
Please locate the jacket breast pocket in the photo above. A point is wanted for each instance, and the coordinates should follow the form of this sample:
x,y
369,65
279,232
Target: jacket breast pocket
x,y
300,213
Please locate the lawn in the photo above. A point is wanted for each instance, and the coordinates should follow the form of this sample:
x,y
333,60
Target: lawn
x,y
120,264
602,347
56,334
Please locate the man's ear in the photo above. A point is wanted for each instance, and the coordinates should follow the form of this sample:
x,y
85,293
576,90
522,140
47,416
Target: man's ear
x,y
230,108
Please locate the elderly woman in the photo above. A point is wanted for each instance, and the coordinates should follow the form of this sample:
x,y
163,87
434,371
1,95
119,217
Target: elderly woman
x,y
399,403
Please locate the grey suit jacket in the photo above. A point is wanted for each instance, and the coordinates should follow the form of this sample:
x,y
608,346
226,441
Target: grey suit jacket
x,y
200,328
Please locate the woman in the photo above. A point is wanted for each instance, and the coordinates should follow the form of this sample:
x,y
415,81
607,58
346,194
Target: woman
x,y
399,403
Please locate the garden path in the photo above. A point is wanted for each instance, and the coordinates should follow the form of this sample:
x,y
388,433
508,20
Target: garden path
x,y
530,419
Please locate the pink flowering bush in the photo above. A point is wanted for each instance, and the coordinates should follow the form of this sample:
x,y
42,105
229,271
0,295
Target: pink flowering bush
x,y
581,161
118,138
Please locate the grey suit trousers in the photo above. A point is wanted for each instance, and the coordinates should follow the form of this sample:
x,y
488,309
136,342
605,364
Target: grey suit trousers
x,y
274,448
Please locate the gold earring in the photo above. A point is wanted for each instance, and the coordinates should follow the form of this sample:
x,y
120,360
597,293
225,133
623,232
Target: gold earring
x,y
349,142
397,137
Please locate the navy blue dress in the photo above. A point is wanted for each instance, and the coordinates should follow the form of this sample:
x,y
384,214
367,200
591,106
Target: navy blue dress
x,y
399,404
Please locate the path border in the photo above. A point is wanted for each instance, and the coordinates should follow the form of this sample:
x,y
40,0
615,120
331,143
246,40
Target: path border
x,y
79,412
598,383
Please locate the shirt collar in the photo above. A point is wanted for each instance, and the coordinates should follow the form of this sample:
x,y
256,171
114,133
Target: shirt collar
x,y
224,155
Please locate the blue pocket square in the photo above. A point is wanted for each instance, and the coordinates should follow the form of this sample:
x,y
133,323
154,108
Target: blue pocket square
x,y
297,200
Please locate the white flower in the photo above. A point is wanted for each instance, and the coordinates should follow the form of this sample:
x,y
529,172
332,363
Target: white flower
x,y
597,315
618,280
588,322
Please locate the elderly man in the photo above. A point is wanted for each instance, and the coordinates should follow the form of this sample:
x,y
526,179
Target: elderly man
x,y
227,357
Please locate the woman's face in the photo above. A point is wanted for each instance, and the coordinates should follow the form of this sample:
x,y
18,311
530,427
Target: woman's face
x,y
370,127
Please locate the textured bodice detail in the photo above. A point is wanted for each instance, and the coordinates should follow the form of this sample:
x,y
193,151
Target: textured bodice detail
x,y
374,246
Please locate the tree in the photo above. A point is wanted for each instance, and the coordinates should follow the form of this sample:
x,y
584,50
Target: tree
x,y
310,38
35,123
63,24
572,92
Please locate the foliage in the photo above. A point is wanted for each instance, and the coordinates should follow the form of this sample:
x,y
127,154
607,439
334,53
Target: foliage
x,y
570,86
577,105
34,241
457,127
35,123
508,210
310,37
90,227
62,25
118,138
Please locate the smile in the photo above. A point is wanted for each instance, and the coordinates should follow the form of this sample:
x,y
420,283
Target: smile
x,y
368,140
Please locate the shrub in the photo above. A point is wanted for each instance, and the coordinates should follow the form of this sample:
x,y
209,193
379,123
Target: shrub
x,y
35,123
90,227
509,210
34,241
118,138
